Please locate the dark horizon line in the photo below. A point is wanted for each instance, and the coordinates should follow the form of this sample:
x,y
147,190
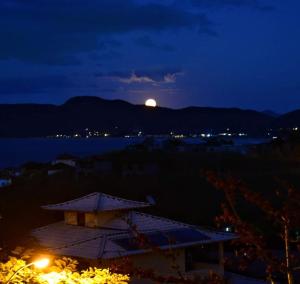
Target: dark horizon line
x,y
158,106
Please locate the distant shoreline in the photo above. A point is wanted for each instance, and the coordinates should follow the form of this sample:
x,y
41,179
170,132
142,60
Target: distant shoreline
x,y
16,151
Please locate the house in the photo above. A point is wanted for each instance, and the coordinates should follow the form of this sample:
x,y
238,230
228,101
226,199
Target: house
x,y
66,159
5,182
103,230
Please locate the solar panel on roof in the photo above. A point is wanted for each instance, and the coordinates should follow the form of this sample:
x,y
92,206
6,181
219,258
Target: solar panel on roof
x,y
171,237
187,235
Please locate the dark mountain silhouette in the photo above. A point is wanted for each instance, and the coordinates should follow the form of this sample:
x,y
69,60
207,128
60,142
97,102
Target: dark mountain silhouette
x,y
288,120
271,113
120,117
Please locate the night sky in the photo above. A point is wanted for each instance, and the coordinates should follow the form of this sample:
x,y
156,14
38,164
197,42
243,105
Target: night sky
x,y
241,53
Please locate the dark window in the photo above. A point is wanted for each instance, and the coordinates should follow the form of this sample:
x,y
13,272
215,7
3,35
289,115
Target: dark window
x,y
80,219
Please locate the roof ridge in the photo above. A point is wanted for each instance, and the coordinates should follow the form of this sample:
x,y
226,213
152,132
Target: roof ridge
x,y
96,202
101,194
124,199
69,201
165,219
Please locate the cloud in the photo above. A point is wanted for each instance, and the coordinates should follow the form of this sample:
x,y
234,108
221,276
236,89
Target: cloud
x,y
170,78
133,78
154,77
56,31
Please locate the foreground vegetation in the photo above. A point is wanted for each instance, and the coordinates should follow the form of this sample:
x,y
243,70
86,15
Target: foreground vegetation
x,y
62,270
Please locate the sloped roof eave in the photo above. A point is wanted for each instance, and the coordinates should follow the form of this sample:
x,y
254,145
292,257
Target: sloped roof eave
x,y
119,254
90,211
96,202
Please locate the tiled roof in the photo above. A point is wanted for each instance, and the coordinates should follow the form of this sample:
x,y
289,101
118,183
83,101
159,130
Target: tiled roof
x,y
108,242
96,202
63,239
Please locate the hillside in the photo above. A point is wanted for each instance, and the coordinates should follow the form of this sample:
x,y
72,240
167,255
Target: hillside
x,y
120,117
288,120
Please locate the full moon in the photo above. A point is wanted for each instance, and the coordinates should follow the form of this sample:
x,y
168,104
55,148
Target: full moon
x,y
150,103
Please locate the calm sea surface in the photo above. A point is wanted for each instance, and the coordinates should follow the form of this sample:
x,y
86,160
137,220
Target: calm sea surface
x,y
14,152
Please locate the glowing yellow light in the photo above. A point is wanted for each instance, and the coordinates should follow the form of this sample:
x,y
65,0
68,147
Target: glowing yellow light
x,y
150,103
53,277
41,263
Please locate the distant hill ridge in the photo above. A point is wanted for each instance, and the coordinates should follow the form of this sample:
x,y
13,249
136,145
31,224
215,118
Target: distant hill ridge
x,y
120,117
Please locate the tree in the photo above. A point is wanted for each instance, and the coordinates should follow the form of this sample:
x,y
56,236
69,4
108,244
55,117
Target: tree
x,y
283,213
